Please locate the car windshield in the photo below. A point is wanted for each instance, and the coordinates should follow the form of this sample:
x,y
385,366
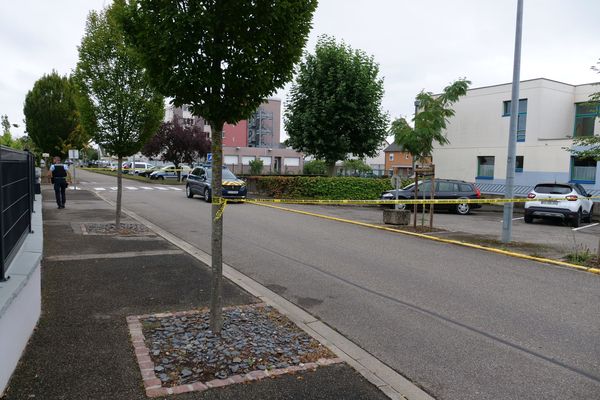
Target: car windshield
x,y
227,174
553,189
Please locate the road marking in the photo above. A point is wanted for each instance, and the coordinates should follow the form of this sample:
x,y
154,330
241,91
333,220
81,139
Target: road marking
x,y
131,187
174,188
514,219
584,227
437,239
161,188
99,189
113,188
146,188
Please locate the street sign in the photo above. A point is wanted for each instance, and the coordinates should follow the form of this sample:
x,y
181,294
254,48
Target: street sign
x,y
396,181
45,155
209,157
74,154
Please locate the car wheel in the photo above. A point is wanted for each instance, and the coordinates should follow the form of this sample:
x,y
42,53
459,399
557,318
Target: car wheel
x,y
188,192
576,221
590,215
463,208
528,219
207,196
162,178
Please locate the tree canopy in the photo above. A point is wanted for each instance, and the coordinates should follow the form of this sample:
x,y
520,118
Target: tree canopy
x,y
118,107
222,58
430,120
589,146
177,143
51,115
334,107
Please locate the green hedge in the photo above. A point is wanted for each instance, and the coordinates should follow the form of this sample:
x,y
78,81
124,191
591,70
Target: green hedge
x,y
319,187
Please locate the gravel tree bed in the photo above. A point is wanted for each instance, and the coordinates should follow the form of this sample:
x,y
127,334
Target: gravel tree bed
x,y
111,229
184,350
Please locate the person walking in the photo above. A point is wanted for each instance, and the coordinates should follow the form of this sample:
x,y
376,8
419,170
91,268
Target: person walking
x,y
60,177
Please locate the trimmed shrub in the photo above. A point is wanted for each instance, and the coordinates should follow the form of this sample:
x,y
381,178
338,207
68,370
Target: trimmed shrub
x,y
319,187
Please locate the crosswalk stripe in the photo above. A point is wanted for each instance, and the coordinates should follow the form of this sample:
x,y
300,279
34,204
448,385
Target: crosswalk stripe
x,y
146,188
161,188
99,189
174,188
131,187
114,188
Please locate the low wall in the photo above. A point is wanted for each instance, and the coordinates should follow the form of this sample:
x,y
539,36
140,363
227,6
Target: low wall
x,y
20,298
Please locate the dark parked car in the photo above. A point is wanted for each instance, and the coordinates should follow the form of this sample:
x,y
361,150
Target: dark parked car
x,y
444,189
199,182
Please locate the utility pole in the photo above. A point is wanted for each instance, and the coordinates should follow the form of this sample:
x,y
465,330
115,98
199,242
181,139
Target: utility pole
x,y
512,136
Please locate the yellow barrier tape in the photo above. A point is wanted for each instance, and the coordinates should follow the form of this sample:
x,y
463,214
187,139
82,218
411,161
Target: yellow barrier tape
x,y
222,202
127,169
406,201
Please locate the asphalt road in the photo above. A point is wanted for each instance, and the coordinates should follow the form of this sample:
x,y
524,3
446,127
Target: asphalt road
x,y
461,323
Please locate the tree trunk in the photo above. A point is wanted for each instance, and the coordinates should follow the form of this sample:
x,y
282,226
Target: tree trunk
x,y
119,192
331,169
216,287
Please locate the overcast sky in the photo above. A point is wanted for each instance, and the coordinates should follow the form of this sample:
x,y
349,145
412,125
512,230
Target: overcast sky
x,y
422,44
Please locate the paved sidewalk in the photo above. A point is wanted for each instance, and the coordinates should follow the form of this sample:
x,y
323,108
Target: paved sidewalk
x,y
81,348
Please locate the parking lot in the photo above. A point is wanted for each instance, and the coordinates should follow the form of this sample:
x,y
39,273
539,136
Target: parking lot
x,y
550,238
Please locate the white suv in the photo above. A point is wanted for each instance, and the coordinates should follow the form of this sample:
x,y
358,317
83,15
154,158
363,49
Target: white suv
x,y
574,204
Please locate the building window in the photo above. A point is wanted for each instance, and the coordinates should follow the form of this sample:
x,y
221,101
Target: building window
x,y
230,160
485,167
246,159
519,164
583,170
291,162
585,118
406,156
391,156
521,118
266,161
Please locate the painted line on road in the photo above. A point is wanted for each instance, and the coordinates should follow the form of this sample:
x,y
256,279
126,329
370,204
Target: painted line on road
x,y
99,189
391,383
161,188
146,188
174,188
585,227
131,187
442,240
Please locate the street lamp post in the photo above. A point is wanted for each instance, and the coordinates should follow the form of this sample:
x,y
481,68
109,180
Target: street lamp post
x,y
512,136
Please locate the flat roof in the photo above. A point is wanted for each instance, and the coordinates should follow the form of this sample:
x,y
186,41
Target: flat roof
x,y
535,79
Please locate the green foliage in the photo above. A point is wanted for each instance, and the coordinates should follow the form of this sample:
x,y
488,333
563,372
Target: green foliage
x,y
318,187
7,139
588,146
334,107
430,121
118,107
315,167
90,153
357,166
256,166
51,115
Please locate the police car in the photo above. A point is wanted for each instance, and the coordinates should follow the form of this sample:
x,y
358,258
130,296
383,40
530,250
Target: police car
x,y
199,182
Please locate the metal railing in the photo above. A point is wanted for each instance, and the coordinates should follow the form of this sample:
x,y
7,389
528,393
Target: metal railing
x,y
17,178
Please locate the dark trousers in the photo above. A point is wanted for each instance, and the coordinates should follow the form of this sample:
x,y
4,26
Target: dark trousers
x,y
60,186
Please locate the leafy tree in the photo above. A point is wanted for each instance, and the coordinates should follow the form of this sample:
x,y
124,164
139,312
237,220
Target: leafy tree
x,y
356,167
51,115
177,144
256,166
7,139
430,121
315,167
118,107
223,58
334,107
589,146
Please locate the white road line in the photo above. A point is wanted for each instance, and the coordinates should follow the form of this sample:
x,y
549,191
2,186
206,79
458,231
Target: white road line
x,y
113,188
514,219
131,187
146,188
174,188
583,227
99,189
161,188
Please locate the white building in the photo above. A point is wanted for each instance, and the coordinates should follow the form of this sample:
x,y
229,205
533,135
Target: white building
x,y
550,114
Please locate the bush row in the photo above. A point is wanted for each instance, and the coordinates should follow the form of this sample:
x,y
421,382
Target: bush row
x,y
319,187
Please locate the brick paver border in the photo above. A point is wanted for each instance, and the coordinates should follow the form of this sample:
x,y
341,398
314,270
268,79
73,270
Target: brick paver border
x,y
153,385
